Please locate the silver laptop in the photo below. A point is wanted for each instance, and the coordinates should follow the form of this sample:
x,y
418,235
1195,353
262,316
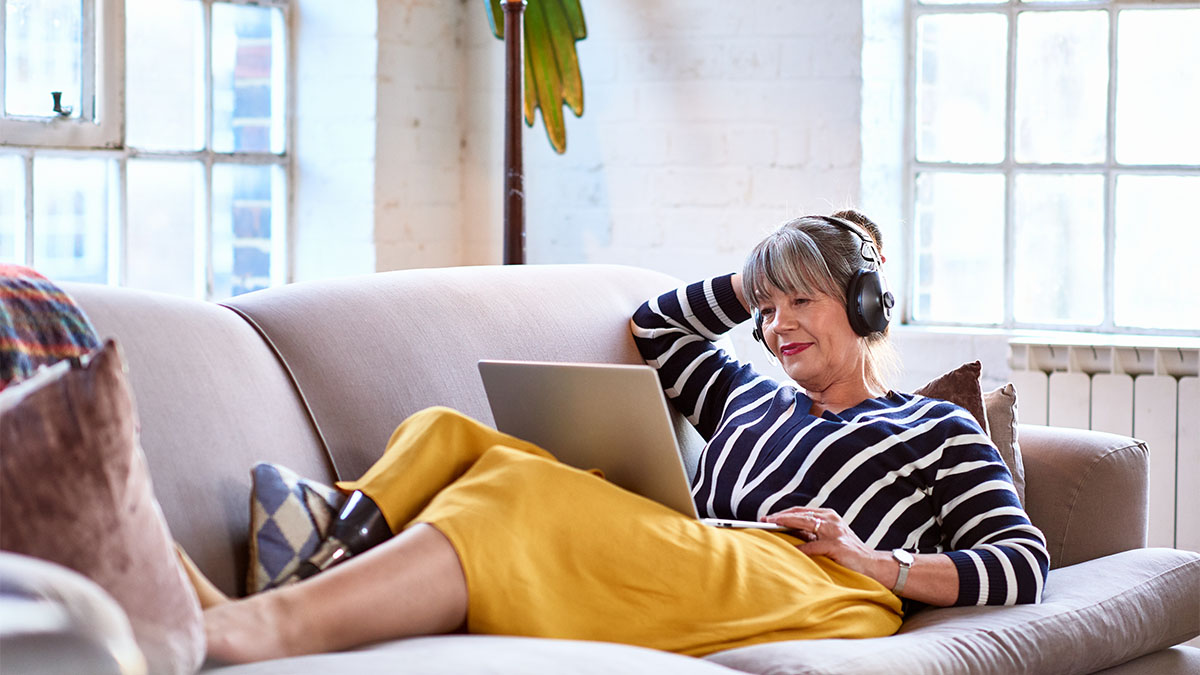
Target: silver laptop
x,y
592,415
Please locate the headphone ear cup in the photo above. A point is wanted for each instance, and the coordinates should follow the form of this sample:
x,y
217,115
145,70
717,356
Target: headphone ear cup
x,y
869,305
758,321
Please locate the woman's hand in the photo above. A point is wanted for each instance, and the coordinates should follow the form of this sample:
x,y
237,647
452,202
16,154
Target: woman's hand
x,y
827,535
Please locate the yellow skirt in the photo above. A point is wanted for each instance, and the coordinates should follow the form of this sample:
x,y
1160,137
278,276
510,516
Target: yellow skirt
x,y
552,551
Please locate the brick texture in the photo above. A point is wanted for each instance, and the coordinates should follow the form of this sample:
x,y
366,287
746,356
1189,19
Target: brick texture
x,y
705,125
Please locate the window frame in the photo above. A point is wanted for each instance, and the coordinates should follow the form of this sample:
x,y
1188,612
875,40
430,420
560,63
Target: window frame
x,y
51,138
1009,168
100,123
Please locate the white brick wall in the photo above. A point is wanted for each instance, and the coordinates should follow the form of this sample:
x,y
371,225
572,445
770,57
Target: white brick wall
x,y
705,125
418,167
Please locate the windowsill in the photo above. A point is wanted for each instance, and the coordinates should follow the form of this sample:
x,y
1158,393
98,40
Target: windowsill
x,y
1053,337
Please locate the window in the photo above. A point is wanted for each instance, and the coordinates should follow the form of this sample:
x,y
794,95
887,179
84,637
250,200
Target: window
x,y
1054,164
172,178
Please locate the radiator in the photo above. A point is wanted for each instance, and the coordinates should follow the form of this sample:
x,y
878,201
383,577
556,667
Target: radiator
x,y
1145,390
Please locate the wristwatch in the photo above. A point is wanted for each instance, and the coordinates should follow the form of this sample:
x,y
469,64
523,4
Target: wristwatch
x,y
906,560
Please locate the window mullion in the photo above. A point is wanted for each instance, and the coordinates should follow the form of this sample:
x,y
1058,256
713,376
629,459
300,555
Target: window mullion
x,y
204,237
29,209
1110,181
88,62
1010,106
3,59
122,248
117,230
289,18
909,270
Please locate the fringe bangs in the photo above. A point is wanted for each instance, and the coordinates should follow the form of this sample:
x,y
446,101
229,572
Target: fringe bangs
x,y
788,260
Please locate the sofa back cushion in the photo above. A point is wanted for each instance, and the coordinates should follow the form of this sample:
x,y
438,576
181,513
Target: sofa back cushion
x,y
213,400
369,351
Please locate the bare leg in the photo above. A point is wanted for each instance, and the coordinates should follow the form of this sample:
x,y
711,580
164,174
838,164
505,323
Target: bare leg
x,y
412,584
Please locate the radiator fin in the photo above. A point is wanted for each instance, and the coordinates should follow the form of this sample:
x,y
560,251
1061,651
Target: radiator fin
x,y
1187,532
1154,422
1069,394
1112,403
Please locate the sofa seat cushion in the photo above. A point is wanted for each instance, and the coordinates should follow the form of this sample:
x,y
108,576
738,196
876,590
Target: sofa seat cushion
x,y
1093,615
483,655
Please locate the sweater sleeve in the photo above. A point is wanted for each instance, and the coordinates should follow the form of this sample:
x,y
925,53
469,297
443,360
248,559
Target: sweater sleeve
x,y
674,334
1001,557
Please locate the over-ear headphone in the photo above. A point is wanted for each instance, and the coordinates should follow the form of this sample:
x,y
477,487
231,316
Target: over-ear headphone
x,y
868,301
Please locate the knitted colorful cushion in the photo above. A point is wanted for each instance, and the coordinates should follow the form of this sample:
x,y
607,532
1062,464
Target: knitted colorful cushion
x,y
39,324
289,517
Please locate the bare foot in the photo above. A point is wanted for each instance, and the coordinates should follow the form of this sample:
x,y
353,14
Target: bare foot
x,y
254,629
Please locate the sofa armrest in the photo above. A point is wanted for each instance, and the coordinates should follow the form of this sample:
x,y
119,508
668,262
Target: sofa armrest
x,y
1087,490
55,620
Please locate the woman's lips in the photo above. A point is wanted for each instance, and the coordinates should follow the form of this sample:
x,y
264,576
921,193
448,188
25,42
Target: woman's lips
x,y
794,348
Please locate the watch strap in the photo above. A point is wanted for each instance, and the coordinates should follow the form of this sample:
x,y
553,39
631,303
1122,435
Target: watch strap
x,y
905,562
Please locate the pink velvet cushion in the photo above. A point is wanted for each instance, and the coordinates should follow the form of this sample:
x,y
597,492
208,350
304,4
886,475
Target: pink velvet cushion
x,y
74,490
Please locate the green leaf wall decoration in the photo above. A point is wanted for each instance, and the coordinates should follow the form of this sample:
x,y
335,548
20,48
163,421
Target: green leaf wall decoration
x,y
552,77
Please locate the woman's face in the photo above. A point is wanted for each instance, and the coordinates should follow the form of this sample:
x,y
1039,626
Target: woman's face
x,y
812,337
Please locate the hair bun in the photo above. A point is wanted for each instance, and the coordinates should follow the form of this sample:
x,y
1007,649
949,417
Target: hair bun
x,y
866,223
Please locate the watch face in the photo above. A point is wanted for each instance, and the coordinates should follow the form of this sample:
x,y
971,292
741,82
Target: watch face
x,y
903,556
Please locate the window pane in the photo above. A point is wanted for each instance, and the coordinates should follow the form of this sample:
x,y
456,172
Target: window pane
x,y
1059,265
248,227
961,87
1158,231
72,207
164,207
959,245
1062,86
164,65
1158,86
12,209
961,2
43,52
247,78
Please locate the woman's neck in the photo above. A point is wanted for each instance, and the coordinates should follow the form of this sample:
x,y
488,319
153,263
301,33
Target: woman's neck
x,y
835,399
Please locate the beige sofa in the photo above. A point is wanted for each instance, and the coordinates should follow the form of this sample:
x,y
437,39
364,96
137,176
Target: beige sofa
x,y
315,376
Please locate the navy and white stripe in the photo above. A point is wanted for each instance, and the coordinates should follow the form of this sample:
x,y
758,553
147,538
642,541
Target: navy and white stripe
x,y
903,471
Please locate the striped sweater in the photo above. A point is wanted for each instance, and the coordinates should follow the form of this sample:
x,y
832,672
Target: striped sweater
x,y
903,471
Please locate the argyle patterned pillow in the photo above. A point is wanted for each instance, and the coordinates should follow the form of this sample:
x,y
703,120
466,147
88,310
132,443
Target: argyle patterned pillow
x,y
289,517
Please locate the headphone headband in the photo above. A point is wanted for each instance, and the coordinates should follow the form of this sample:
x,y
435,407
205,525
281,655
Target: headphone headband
x,y
868,250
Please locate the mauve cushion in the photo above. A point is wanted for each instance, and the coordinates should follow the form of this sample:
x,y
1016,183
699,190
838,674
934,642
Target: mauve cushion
x,y
961,387
1001,406
74,489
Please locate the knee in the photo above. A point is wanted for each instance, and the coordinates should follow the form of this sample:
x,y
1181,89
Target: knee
x,y
440,419
436,414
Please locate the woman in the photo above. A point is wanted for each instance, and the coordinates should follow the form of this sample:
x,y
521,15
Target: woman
x,y
496,536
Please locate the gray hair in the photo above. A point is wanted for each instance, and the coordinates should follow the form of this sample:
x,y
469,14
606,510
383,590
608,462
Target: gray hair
x,y
809,256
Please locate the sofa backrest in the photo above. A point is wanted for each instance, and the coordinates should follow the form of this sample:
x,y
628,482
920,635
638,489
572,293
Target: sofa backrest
x,y
369,351
317,374
212,400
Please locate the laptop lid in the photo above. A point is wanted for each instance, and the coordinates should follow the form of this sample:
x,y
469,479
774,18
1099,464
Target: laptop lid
x,y
590,415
